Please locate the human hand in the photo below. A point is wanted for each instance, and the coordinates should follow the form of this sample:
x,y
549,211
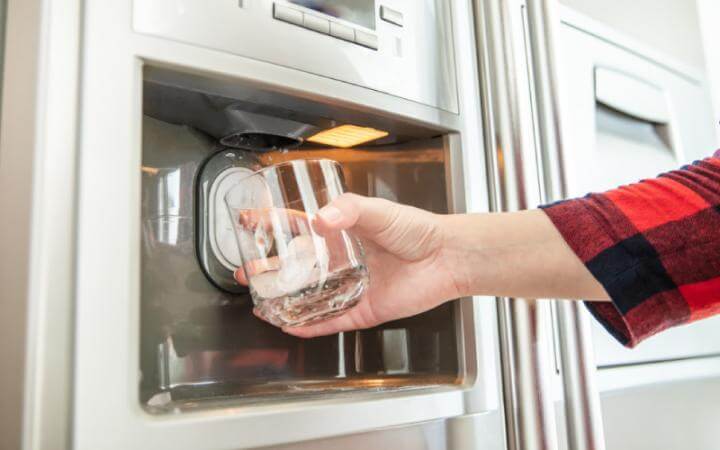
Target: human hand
x,y
409,271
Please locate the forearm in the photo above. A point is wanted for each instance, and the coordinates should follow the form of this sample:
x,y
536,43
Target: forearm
x,y
515,255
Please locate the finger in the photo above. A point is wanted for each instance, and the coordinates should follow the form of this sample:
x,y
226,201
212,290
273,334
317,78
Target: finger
x,y
240,276
256,267
345,322
329,327
366,216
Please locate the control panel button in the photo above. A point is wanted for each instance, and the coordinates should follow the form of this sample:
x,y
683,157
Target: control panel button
x,y
392,16
317,24
366,39
341,31
286,14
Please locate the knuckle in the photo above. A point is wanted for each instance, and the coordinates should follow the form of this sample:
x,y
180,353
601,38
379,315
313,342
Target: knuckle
x,y
393,215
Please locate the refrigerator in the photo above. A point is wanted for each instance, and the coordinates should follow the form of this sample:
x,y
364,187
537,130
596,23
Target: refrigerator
x,y
123,121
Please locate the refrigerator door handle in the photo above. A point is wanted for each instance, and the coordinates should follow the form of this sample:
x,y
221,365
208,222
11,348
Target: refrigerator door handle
x,y
631,95
581,398
513,178
640,100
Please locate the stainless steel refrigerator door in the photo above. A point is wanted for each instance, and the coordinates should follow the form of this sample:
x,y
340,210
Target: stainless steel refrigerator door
x,y
633,113
663,415
106,352
37,196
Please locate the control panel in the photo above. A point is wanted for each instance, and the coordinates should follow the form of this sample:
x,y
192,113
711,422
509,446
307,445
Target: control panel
x,y
325,25
400,47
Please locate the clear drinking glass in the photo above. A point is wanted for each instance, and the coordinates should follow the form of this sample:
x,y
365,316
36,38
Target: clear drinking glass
x,y
296,277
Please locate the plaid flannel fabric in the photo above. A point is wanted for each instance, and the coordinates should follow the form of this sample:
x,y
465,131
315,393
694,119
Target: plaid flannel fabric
x,y
654,246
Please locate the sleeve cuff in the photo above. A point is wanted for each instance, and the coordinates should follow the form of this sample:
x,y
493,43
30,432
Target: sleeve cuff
x,y
610,318
588,236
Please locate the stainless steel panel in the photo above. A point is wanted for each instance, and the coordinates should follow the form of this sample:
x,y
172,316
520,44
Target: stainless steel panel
x,y
428,436
3,18
37,241
664,416
17,145
470,432
424,72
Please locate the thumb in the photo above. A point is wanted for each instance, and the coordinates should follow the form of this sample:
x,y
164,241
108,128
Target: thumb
x,y
366,216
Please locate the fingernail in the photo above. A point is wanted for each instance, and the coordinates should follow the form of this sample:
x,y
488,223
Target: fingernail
x,y
330,214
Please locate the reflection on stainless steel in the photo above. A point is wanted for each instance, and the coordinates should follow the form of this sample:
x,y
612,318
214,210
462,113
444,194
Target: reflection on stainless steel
x,y
395,351
206,366
181,400
228,352
201,344
235,123
415,345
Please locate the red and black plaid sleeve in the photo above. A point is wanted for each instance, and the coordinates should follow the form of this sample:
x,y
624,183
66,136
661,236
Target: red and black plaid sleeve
x,y
654,246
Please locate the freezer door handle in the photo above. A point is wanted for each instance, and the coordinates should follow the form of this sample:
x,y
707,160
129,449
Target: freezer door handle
x,y
641,101
631,95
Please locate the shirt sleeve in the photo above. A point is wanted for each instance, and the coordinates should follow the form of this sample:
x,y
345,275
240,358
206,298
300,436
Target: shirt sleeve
x,y
654,246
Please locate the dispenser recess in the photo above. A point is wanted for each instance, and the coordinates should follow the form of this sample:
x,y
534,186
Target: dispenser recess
x,y
200,343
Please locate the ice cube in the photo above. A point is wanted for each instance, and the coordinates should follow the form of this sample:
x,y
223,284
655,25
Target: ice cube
x,y
306,257
247,245
309,245
263,239
301,245
266,285
295,272
253,244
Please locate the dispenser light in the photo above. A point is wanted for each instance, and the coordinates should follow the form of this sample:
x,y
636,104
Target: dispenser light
x,y
346,136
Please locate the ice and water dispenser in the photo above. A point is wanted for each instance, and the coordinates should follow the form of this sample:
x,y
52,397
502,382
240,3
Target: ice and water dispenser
x,y
200,343
135,334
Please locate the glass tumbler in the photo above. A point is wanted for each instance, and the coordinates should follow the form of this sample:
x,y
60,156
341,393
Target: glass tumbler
x,y
296,276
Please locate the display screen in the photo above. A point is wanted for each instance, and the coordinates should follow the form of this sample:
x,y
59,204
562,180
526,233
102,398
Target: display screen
x,y
361,12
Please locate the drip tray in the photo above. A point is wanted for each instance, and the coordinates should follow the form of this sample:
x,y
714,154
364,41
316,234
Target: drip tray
x,y
208,396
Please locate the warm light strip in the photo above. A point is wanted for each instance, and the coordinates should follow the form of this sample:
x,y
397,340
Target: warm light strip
x,y
346,136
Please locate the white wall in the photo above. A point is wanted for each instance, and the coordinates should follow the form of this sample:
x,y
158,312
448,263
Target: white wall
x,y
671,26
709,11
